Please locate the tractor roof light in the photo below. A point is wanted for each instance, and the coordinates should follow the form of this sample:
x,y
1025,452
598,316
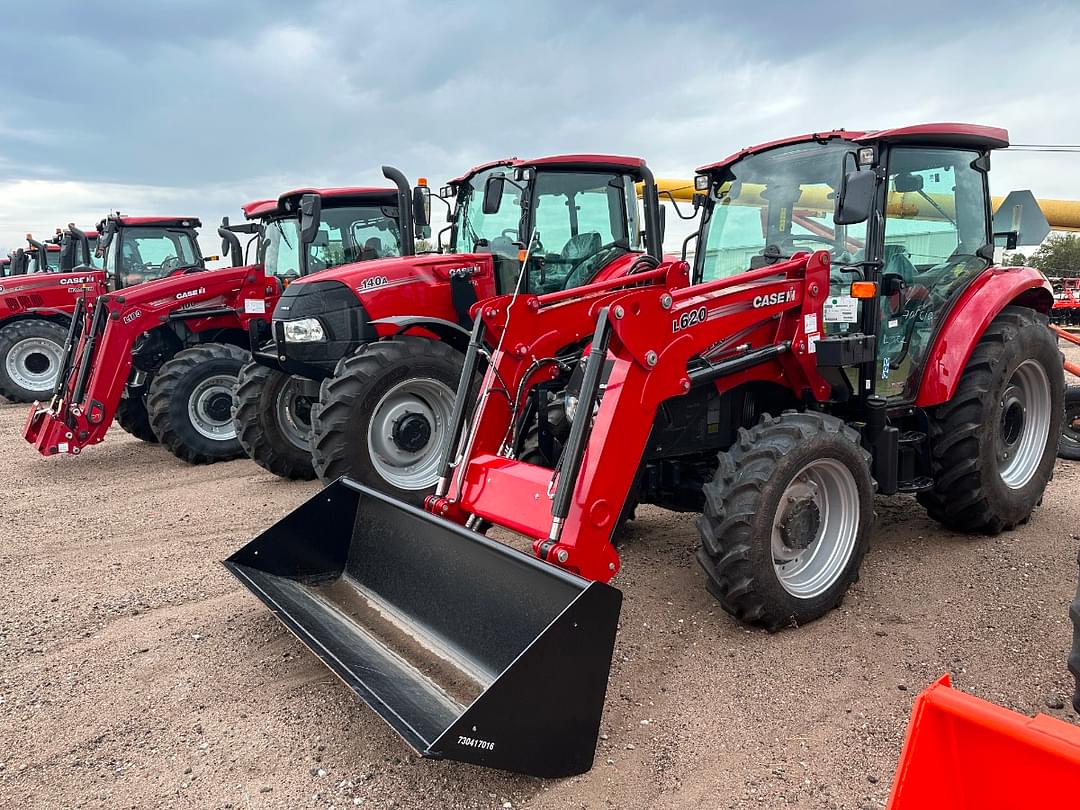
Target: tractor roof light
x,y
701,182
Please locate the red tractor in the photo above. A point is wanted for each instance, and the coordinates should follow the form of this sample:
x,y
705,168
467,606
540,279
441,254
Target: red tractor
x,y
324,231
385,340
809,358
162,358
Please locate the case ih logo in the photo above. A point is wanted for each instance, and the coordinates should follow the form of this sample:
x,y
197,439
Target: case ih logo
x,y
76,280
772,299
190,293
464,272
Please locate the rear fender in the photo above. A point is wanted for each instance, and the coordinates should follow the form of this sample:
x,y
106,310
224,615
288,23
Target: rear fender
x,y
447,331
981,302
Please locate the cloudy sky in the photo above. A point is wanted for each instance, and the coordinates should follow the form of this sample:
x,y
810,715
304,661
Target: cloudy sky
x,y
193,108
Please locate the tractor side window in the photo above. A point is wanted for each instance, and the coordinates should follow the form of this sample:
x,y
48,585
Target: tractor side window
x,y
582,221
774,204
935,224
488,233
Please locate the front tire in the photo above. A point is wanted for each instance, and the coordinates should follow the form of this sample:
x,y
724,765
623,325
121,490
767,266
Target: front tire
x,y
190,403
992,445
30,356
273,421
1069,442
786,519
383,418
132,416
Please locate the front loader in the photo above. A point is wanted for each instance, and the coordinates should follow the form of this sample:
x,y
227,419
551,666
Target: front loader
x,y
385,340
809,358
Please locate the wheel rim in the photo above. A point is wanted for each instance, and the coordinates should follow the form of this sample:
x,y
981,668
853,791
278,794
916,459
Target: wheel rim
x,y
815,528
1024,425
33,362
209,408
407,432
293,412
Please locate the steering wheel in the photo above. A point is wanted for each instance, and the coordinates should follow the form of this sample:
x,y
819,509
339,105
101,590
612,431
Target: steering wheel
x,y
169,264
509,233
572,278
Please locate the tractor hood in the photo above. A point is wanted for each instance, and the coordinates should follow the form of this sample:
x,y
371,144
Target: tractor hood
x,y
39,282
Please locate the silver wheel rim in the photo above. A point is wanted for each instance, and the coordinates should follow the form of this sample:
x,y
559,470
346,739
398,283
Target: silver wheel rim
x,y
205,408
33,363
1024,424
293,418
420,400
830,487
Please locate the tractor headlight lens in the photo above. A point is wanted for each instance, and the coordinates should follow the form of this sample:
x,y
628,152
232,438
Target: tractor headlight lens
x,y
304,330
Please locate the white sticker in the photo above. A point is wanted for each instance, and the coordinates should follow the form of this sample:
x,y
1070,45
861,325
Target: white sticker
x,y
840,309
894,323
811,342
62,447
809,322
254,306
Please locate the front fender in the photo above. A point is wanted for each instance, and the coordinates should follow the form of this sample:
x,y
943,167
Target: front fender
x,y
449,332
979,303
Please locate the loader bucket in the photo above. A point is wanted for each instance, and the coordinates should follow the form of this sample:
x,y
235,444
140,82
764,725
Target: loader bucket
x,y
469,649
962,752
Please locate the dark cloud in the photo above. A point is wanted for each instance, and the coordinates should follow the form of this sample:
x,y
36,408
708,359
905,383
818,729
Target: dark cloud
x,y
199,102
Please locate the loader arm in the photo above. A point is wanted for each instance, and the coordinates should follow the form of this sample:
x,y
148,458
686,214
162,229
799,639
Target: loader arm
x,y
99,363
652,334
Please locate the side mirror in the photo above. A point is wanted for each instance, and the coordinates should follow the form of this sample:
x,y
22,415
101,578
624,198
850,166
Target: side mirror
x,y
855,198
310,211
493,192
421,203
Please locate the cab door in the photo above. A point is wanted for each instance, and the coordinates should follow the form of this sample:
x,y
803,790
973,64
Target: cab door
x,y
936,240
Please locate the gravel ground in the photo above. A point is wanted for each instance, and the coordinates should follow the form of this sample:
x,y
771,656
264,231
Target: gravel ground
x,y
135,672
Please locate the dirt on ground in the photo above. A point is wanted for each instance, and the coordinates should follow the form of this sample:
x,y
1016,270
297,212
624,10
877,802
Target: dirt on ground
x,y
136,672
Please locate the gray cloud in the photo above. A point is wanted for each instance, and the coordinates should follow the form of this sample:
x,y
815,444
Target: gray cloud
x,y
200,106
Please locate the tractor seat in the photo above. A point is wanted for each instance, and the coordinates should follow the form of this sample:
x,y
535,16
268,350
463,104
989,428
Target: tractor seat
x,y
581,246
372,249
896,261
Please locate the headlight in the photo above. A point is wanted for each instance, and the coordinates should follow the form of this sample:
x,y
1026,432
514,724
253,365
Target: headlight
x,y
304,330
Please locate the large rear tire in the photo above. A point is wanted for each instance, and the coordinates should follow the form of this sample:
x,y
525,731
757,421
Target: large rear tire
x,y
786,520
1069,443
31,352
992,446
273,421
383,418
131,415
190,403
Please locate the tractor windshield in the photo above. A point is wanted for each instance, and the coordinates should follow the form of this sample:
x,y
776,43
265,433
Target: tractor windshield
x,y
580,222
775,204
146,253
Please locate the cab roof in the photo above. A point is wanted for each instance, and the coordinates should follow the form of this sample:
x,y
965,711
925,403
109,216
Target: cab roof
x,y
331,198
946,134
591,162
161,222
